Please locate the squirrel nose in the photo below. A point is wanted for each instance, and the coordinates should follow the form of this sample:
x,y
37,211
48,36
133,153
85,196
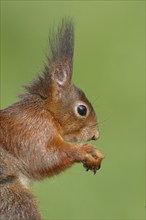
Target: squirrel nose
x,y
95,136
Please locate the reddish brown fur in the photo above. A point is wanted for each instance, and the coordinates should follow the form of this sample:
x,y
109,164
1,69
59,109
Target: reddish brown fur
x,y
35,133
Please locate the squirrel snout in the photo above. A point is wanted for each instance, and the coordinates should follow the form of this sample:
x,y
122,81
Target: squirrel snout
x,y
95,136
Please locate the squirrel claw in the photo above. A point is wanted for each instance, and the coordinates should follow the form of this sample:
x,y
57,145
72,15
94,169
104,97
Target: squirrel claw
x,y
94,171
98,168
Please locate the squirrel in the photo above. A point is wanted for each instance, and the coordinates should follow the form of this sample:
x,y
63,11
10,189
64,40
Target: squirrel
x,y
46,131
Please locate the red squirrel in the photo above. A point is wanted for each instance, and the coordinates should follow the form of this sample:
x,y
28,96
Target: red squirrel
x,y
41,134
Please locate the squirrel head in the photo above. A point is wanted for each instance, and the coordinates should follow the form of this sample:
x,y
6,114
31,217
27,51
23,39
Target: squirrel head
x,y
67,104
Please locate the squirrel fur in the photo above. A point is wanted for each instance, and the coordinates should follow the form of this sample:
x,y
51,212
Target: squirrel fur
x,y
37,132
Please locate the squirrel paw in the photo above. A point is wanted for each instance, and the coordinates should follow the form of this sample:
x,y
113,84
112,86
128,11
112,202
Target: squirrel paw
x,y
93,159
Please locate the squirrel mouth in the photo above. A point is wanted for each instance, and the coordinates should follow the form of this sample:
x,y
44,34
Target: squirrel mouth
x,y
74,139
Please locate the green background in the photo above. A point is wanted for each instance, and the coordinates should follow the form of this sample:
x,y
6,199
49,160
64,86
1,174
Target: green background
x,y
109,66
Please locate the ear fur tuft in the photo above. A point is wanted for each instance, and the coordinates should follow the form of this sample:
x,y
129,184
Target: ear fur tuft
x,y
61,43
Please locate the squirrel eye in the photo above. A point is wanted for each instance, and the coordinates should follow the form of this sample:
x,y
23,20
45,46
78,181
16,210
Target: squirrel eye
x,y
82,110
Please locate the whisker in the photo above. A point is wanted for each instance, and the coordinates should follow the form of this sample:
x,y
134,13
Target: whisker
x,y
93,125
95,99
99,122
105,120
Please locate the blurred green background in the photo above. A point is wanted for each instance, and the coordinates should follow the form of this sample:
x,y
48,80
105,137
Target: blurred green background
x,y
109,66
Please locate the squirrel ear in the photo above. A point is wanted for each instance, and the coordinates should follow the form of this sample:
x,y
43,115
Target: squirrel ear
x,y
58,70
62,73
61,57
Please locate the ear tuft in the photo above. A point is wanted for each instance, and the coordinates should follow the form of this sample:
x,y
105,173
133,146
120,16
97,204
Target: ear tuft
x,y
60,62
62,41
61,58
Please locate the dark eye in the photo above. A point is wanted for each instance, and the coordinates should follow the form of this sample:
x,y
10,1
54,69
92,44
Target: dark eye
x,y
82,110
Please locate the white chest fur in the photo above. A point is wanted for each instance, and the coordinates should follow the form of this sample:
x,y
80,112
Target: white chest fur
x,y
25,181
